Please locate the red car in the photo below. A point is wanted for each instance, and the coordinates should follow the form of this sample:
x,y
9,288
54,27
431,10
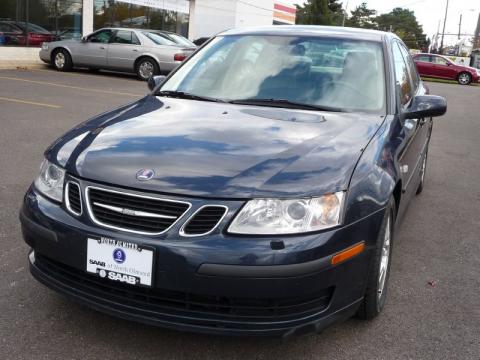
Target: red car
x,y
437,66
14,32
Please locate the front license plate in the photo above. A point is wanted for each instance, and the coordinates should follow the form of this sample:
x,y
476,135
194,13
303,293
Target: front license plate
x,y
120,261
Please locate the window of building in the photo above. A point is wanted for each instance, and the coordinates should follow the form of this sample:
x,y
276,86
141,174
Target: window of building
x,y
173,17
30,23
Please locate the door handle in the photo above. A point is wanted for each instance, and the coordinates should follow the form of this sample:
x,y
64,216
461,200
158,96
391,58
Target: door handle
x,y
102,47
136,50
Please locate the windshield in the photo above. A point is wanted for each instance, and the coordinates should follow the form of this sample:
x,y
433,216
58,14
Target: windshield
x,y
336,73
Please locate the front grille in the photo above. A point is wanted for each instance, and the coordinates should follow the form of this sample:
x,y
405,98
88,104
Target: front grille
x,y
135,213
74,200
204,220
191,306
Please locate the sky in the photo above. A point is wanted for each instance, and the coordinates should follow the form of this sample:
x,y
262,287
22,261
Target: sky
x,y
428,13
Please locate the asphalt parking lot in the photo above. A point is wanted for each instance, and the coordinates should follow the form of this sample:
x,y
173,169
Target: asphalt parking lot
x,y
433,310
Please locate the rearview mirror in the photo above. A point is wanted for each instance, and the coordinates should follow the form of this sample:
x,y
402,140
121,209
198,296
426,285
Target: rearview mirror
x,y
423,106
154,81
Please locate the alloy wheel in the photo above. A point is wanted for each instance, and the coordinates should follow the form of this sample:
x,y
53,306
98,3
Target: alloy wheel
x,y
60,60
384,260
424,167
464,79
146,69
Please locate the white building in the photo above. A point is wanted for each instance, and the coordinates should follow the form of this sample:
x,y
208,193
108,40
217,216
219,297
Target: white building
x,y
190,18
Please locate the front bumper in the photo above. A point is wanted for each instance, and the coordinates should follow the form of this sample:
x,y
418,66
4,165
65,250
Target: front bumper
x,y
44,55
213,284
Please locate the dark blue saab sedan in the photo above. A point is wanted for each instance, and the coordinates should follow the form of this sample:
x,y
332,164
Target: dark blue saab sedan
x,y
255,191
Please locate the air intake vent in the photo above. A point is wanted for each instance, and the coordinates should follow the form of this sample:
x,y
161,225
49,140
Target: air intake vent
x,y
204,221
142,214
73,198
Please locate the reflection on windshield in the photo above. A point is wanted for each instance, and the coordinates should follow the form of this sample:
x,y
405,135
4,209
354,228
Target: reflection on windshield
x,y
336,73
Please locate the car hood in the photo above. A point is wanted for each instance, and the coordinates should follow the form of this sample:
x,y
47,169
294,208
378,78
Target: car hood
x,y
218,150
65,42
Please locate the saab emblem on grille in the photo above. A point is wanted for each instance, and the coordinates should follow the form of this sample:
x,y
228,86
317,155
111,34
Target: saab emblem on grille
x,y
129,212
145,174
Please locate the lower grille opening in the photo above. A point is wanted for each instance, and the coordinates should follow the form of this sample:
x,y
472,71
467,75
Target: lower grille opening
x,y
197,306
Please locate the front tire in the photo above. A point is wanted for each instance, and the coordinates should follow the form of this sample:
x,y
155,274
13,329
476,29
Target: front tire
x,y
61,60
146,68
379,270
464,78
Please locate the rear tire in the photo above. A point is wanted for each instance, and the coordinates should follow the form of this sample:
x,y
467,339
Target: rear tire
x,y
379,269
61,60
464,78
146,68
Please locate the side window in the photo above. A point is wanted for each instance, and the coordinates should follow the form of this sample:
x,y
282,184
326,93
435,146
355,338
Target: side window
x,y
101,37
423,58
135,40
412,67
125,37
401,75
437,60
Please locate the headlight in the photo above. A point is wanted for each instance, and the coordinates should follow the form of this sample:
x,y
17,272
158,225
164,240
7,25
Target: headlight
x,y
44,46
50,180
277,217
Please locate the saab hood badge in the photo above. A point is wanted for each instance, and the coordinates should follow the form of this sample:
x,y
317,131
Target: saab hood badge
x,y
145,174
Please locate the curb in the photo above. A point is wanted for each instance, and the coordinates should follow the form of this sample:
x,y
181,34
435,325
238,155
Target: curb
x,y
21,66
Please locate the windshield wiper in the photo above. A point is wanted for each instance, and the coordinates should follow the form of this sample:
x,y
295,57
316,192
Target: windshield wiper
x,y
284,103
185,95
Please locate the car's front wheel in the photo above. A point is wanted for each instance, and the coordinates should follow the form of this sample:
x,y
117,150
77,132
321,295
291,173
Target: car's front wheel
x,y
146,68
379,270
464,78
62,61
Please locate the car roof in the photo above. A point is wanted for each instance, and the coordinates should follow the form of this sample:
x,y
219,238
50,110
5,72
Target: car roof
x,y
313,30
136,29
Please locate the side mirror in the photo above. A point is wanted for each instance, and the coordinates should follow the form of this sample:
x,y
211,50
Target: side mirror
x,y
84,39
424,106
154,81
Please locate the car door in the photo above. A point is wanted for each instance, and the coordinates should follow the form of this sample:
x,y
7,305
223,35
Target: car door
x,y
123,50
443,68
93,50
424,64
412,134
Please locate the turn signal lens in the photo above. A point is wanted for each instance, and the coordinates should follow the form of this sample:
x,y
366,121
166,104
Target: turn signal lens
x,y
348,253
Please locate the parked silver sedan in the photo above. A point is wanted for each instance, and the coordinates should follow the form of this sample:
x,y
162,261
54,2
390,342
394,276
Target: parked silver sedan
x,y
145,52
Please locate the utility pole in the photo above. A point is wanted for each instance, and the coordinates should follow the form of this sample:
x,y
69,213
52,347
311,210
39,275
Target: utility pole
x,y
345,14
460,27
444,24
